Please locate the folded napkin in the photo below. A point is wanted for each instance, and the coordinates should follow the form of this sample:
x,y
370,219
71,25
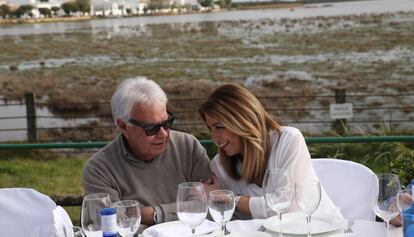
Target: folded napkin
x,y
244,225
177,229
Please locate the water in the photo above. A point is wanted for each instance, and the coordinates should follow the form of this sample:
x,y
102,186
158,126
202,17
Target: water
x,y
17,124
220,216
93,233
311,10
132,226
192,219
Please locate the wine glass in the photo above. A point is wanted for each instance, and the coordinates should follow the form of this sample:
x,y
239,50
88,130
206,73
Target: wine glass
x,y
128,217
191,204
406,207
221,204
278,192
308,198
91,213
77,231
385,187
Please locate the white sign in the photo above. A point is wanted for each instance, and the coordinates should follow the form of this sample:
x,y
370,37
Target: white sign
x,y
341,111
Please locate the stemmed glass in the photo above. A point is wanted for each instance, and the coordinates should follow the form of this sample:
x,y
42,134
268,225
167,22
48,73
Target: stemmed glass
x,y
91,213
191,204
278,192
221,204
128,217
308,198
405,206
385,187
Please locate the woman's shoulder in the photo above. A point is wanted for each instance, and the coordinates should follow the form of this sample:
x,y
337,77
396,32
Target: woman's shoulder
x,y
285,131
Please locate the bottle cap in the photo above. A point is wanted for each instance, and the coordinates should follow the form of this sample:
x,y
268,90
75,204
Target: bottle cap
x,y
412,181
108,211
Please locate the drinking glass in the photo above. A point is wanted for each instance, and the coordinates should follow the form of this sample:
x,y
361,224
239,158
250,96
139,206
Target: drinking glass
x,y
191,204
385,187
77,231
221,204
278,192
128,217
308,198
406,207
91,213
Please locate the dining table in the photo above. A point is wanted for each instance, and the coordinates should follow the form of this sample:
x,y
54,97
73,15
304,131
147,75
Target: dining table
x,y
360,228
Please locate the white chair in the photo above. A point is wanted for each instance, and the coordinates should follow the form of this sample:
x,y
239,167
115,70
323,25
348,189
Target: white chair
x,y
23,209
349,186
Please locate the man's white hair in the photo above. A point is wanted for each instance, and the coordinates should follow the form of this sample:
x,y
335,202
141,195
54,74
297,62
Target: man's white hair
x,y
134,91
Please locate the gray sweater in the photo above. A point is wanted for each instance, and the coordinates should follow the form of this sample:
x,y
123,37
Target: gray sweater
x,y
115,170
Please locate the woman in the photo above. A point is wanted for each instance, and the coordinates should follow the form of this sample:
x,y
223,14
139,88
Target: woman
x,y
251,142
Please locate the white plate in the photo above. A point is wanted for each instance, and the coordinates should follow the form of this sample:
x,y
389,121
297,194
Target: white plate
x,y
295,223
177,226
249,234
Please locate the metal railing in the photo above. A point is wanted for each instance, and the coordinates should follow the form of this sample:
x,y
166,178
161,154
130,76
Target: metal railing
x,y
81,145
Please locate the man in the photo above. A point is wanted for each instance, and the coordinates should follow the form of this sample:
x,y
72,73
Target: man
x,y
147,160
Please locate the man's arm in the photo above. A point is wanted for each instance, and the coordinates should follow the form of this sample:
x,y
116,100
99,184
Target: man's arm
x,y
95,181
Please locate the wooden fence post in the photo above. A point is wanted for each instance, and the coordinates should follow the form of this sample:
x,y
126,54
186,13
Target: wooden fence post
x,y
340,98
31,117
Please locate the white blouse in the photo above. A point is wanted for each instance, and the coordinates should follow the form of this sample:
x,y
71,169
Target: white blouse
x,y
289,151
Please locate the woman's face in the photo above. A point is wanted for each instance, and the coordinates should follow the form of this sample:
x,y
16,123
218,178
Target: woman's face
x,y
228,141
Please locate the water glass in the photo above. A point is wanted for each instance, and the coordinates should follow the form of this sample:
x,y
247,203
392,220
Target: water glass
x,y
385,187
191,204
128,217
221,204
406,207
77,231
91,213
278,192
308,198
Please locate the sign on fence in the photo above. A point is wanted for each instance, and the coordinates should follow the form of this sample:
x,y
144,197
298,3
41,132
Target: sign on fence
x,y
341,111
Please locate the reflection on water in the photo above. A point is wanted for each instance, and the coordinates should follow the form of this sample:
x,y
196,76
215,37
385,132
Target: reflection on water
x,y
17,122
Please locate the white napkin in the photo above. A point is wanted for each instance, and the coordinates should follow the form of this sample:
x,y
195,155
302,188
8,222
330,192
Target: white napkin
x,y
183,231
244,225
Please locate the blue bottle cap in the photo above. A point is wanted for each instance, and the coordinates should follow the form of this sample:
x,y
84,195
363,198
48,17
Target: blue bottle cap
x,y
108,211
412,181
110,235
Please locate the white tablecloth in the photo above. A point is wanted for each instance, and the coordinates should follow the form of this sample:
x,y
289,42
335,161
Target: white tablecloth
x,y
361,229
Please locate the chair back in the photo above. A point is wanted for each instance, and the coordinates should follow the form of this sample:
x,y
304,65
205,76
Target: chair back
x,y
23,209
349,186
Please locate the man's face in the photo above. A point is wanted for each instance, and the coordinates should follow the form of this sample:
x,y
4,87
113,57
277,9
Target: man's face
x,y
143,146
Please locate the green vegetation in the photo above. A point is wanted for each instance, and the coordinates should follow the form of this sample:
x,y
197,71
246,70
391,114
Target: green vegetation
x,y
46,171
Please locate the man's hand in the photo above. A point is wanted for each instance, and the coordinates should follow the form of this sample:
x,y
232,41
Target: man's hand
x,y
146,215
212,184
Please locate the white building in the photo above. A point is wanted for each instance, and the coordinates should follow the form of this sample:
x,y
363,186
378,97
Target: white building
x,y
116,7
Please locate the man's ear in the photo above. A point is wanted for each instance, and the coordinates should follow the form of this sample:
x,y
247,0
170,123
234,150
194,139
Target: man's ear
x,y
122,126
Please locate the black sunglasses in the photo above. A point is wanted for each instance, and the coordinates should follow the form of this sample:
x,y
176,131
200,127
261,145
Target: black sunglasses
x,y
152,129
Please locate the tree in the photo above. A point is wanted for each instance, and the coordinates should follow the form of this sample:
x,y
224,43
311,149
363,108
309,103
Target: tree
x,y
5,10
70,7
45,11
55,10
84,5
206,3
24,9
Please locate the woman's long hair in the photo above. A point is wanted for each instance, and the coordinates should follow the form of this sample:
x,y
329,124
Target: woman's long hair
x,y
241,113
